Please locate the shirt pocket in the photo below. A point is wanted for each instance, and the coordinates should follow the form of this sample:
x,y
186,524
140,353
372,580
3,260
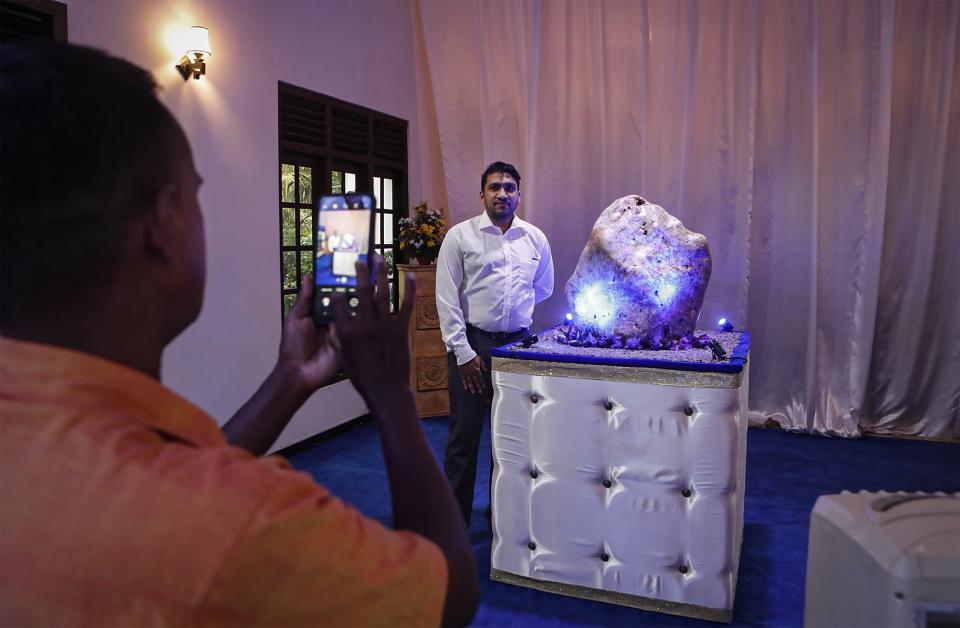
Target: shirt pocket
x,y
528,266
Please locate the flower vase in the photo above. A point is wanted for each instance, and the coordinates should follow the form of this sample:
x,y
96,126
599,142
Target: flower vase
x,y
424,260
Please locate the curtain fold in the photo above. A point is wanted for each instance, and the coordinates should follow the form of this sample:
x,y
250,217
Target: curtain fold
x,y
814,143
914,380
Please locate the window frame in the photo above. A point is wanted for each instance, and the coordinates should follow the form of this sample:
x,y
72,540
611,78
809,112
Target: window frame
x,y
379,147
288,295
50,15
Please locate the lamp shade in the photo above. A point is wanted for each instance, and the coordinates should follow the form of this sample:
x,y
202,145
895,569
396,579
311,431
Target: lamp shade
x,y
198,40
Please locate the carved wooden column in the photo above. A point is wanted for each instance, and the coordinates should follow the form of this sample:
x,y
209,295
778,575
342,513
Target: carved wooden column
x,y
428,368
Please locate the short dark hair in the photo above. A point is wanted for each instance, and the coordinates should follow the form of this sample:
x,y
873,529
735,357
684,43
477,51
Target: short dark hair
x,y
502,168
86,147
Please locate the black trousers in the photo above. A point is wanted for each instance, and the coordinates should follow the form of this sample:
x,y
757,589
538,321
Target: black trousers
x,y
468,412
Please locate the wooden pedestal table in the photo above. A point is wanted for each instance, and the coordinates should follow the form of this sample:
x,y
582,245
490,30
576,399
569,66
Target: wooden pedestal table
x,y
428,355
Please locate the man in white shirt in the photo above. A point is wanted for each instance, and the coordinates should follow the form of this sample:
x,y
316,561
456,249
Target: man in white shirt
x,y
491,271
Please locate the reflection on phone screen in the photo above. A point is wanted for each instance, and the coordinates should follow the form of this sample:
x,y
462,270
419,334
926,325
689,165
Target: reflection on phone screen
x,y
342,238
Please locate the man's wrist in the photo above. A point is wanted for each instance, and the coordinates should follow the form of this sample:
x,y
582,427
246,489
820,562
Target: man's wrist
x,y
286,376
385,398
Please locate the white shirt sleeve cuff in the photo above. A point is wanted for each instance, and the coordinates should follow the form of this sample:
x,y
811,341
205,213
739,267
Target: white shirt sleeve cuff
x,y
464,354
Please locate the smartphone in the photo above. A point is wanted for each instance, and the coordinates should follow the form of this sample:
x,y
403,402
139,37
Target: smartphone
x,y
343,235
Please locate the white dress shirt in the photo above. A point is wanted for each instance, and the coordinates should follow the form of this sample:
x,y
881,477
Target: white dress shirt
x,y
490,279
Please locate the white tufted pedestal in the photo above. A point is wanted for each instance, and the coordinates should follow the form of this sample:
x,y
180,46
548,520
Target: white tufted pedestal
x,y
620,483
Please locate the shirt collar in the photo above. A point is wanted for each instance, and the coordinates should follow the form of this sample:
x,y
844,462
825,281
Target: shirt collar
x,y
486,223
50,374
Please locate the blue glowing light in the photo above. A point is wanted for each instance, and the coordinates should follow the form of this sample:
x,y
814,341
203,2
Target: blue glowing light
x,y
569,316
722,322
666,290
595,305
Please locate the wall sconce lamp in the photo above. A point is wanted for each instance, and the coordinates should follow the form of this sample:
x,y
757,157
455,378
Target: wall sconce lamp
x,y
198,45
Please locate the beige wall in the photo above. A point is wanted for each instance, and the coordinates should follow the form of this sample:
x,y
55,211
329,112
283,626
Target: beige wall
x,y
357,50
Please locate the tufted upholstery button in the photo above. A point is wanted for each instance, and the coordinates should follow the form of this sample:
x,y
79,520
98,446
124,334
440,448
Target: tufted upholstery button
x,y
685,492
607,483
604,557
608,405
683,569
688,411
531,545
533,473
534,398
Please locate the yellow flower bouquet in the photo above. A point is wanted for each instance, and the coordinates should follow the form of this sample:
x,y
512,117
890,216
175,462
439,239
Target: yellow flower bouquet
x,y
421,235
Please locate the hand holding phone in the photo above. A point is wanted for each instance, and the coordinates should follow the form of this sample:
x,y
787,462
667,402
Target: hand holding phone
x,y
373,343
343,236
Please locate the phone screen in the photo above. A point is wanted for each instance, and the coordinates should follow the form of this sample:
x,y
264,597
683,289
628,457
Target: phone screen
x,y
342,236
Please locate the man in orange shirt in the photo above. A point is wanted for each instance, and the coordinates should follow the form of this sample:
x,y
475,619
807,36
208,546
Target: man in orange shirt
x,y
120,502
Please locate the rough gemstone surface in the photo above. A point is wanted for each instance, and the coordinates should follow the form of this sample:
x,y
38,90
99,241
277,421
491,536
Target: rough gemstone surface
x,y
641,277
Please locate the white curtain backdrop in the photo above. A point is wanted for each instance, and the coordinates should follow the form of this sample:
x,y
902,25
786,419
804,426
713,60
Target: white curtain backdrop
x,y
816,144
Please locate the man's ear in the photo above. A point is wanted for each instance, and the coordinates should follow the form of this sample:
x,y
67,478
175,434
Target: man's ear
x,y
161,226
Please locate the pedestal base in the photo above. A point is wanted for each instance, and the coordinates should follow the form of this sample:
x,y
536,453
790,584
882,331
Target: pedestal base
x,y
611,597
621,484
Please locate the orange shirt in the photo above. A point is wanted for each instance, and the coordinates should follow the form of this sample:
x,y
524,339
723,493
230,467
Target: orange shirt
x,y
121,504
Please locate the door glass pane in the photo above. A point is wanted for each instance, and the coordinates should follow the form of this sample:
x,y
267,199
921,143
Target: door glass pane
x,y
288,226
290,270
306,263
379,229
306,185
288,183
376,192
336,182
349,182
306,226
388,228
288,300
387,193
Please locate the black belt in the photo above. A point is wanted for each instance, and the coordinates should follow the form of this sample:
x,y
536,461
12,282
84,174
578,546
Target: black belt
x,y
497,335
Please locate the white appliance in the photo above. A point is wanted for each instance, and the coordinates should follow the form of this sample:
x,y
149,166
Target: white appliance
x,y
884,559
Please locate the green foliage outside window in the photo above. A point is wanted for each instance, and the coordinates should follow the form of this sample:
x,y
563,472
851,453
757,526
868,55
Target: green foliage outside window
x,y
288,180
289,270
389,262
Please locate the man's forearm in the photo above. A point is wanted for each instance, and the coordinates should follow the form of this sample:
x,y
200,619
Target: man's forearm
x,y
453,331
423,501
258,423
453,324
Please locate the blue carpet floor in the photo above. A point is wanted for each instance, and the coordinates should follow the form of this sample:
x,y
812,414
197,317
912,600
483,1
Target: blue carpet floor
x,y
785,474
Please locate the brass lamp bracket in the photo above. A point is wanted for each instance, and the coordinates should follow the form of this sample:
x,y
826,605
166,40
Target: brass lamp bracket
x,y
195,68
